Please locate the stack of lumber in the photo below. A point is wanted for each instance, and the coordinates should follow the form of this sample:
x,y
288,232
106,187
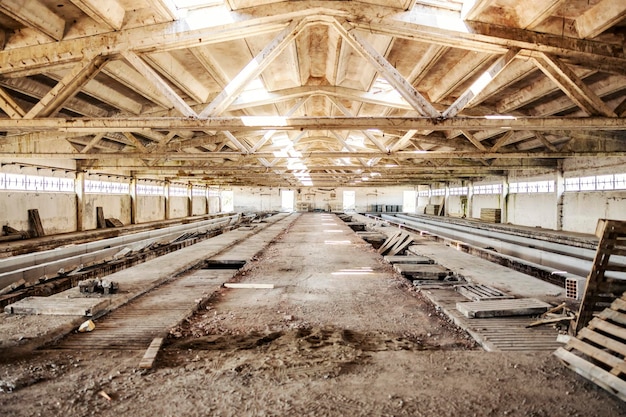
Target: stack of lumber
x,y
491,215
603,348
432,209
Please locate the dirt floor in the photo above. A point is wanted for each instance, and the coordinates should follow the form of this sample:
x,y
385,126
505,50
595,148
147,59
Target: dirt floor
x,y
340,335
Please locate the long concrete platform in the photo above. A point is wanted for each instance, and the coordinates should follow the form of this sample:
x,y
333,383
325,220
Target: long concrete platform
x,y
138,280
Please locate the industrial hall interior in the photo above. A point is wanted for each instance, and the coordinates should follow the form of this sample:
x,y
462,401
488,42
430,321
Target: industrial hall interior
x,y
313,208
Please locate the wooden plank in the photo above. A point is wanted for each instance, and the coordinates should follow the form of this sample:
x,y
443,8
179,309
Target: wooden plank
x,y
616,316
502,308
389,242
595,374
35,220
151,353
100,221
400,245
603,340
248,285
607,327
112,222
598,354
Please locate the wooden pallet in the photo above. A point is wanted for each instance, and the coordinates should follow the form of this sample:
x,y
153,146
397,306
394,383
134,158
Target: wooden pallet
x,y
603,344
601,290
479,292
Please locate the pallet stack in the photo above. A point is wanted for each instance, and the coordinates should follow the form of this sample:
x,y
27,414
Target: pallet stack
x,y
491,215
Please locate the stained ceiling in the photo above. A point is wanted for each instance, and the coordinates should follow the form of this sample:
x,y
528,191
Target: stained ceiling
x,y
323,93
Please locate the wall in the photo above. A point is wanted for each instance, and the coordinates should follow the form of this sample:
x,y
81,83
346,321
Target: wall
x,y
534,210
113,205
454,208
199,206
481,201
582,210
178,207
56,210
214,205
150,208
249,199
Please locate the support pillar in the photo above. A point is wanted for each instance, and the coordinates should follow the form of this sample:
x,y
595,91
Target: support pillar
x,y
559,189
167,199
133,200
79,190
189,200
470,200
505,200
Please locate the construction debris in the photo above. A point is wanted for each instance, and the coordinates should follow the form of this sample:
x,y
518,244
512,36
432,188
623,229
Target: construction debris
x,y
557,315
396,243
151,353
87,326
97,285
502,308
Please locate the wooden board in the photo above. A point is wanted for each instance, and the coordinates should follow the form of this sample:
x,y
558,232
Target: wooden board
x,y
58,306
400,259
100,221
35,220
391,240
423,271
502,308
479,292
595,374
402,244
112,222
151,353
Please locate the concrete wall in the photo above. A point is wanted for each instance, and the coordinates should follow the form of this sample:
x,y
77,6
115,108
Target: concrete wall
x,y
581,210
214,205
454,208
178,207
150,208
56,210
249,199
534,210
481,201
199,206
113,205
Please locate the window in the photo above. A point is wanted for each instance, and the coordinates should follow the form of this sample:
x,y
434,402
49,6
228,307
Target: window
x,y
488,189
531,187
178,191
21,182
423,193
438,191
150,189
106,187
198,191
459,191
587,183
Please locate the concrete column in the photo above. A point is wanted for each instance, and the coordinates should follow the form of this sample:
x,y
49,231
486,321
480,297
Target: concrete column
x,y
79,190
470,199
446,198
206,199
167,199
505,199
189,200
559,189
133,200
